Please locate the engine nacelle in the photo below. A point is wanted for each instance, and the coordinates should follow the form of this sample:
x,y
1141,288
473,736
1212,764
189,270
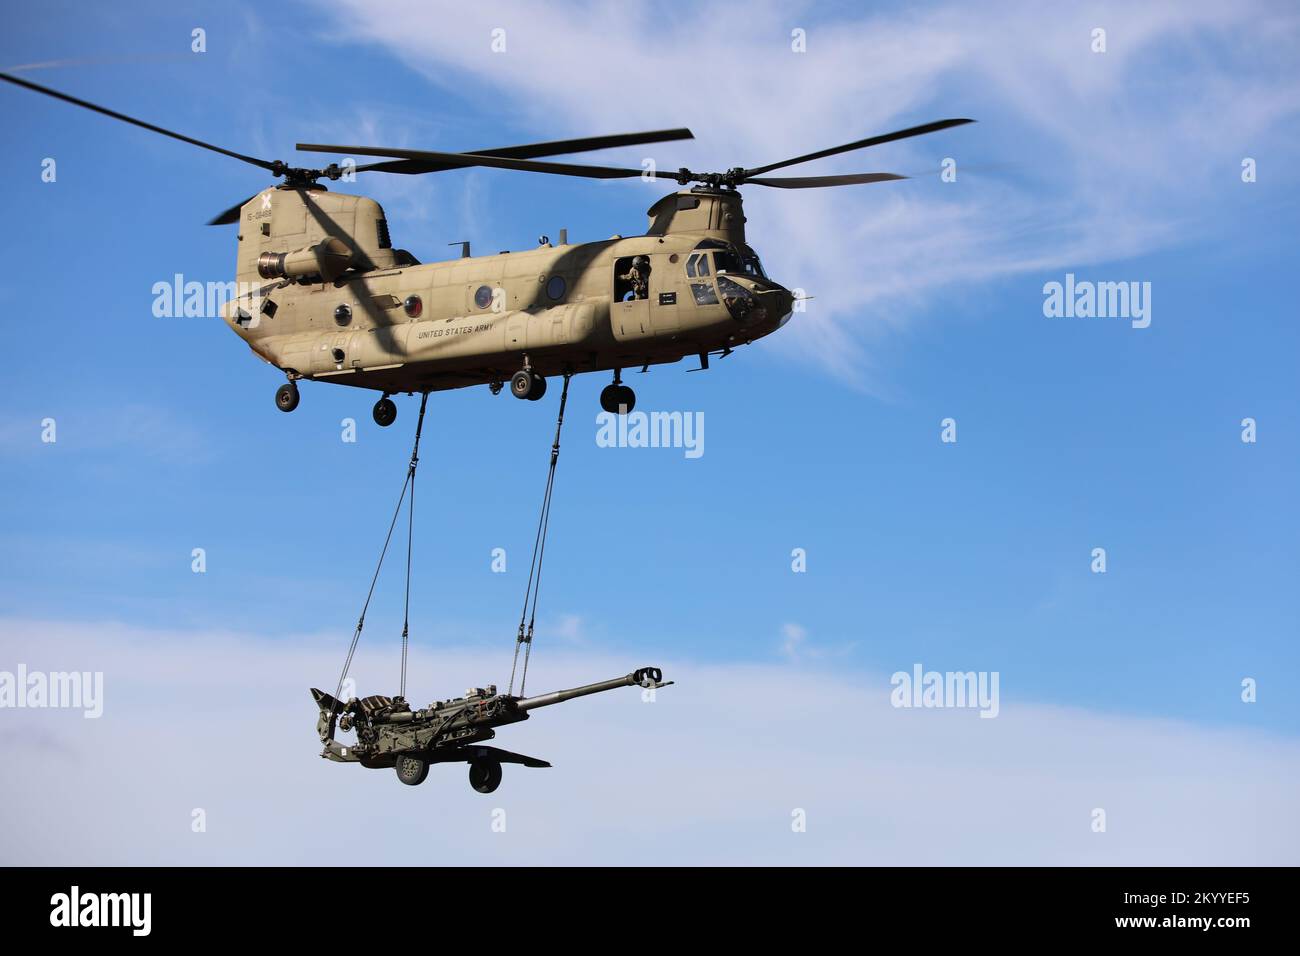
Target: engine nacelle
x,y
328,259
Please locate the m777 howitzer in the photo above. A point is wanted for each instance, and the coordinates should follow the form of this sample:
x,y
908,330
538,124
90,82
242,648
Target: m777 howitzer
x,y
390,734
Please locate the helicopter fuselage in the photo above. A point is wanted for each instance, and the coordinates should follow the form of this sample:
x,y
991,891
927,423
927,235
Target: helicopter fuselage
x,y
323,295
398,326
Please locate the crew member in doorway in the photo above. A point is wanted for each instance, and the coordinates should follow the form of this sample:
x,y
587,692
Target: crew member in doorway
x,y
639,277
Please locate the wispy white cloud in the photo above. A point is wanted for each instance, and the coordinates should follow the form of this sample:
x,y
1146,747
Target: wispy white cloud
x,y
793,637
710,772
1112,155
797,648
569,628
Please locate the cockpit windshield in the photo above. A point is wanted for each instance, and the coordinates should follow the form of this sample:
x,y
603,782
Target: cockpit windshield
x,y
738,263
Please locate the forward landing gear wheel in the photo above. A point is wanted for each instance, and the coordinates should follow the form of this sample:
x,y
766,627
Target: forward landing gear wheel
x,y
616,395
411,770
529,385
484,775
385,412
286,397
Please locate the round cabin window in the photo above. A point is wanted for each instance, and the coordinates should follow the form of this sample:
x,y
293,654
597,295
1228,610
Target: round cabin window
x,y
343,315
483,297
555,288
413,306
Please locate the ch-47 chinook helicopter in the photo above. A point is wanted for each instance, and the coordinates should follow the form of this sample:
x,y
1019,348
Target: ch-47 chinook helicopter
x,y
329,299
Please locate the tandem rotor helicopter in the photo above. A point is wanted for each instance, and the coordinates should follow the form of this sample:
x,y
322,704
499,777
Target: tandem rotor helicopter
x,y
323,295
331,300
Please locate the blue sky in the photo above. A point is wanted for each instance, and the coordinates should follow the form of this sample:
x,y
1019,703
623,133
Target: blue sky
x,y
1073,434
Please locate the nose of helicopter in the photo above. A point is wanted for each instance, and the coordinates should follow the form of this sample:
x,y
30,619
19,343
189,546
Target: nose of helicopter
x,y
774,306
778,303
761,306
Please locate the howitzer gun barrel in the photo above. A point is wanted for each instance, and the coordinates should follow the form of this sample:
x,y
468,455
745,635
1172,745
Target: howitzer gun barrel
x,y
643,677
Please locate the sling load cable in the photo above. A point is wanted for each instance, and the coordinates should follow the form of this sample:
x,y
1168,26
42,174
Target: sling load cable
x,y
539,552
409,483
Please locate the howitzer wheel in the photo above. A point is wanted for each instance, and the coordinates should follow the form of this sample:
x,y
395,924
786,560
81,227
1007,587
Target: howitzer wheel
x,y
484,775
412,770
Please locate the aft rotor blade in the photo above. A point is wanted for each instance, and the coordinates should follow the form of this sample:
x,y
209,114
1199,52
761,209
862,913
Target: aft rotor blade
x,y
460,160
534,150
815,182
231,214
861,144
28,84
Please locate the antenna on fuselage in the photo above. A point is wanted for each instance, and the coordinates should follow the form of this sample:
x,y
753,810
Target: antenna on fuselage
x,y
464,247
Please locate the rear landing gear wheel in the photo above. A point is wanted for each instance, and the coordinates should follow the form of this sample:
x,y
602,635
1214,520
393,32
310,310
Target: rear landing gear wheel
x,y
484,775
526,384
411,770
616,395
286,397
385,412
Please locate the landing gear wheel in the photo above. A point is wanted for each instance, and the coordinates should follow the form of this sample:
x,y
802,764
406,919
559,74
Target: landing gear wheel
x,y
616,395
522,384
286,397
411,770
484,775
496,387
385,412
526,384
539,388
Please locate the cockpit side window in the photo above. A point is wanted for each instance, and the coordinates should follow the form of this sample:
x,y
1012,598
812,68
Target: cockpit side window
x,y
751,264
697,265
704,293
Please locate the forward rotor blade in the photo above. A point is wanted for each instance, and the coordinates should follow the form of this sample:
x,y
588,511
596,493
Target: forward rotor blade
x,y
586,144
407,167
17,81
861,144
231,214
815,182
534,150
460,160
